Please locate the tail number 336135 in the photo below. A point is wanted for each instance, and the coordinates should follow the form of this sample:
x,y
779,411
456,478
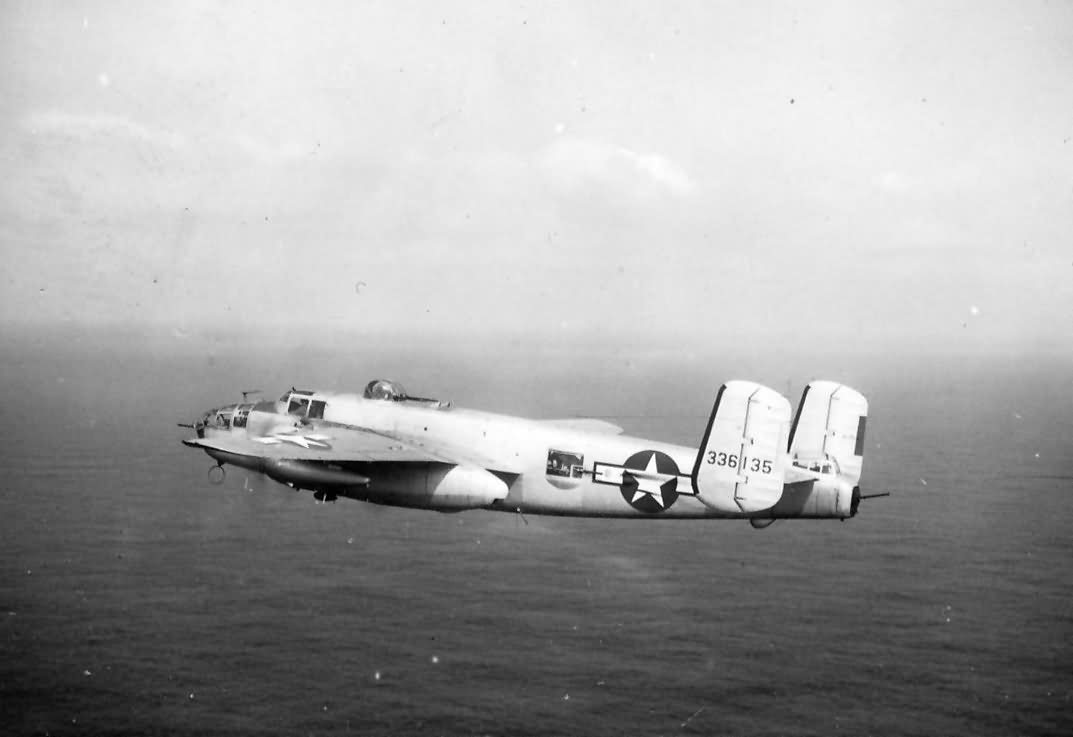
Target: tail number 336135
x,y
756,465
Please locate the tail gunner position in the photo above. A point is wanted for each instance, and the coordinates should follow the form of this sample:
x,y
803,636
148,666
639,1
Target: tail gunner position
x,y
387,447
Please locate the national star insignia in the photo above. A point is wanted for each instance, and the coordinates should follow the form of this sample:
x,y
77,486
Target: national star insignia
x,y
650,482
305,441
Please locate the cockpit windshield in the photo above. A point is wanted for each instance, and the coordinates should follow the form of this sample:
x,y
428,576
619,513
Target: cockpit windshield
x,y
298,405
294,402
390,391
220,418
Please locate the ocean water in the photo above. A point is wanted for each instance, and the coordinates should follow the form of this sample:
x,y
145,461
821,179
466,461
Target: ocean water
x,y
137,599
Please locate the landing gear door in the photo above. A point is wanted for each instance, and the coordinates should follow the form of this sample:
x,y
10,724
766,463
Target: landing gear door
x,y
741,462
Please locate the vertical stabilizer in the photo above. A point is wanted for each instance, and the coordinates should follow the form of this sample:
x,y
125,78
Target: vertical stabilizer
x,y
741,462
829,429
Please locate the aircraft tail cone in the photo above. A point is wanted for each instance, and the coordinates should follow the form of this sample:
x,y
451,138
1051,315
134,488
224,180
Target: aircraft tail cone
x,y
858,497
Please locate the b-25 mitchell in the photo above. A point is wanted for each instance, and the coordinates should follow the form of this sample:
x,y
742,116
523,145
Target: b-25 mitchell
x,y
387,447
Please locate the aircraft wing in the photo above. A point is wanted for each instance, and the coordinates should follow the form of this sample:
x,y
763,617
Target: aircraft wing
x,y
330,444
585,424
446,451
425,447
337,443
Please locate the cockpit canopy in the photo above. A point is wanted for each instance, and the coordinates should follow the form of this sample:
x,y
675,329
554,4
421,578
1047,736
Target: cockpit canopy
x,y
300,402
390,391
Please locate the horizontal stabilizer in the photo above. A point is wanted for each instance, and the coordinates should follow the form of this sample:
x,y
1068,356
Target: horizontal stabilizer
x,y
740,465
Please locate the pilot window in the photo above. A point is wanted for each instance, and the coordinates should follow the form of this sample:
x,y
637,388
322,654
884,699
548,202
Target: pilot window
x,y
298,406
316,410
565,463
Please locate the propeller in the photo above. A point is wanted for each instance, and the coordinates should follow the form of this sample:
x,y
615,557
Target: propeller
x,y
254,482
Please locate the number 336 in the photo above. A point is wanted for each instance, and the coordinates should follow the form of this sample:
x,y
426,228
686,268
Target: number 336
x,y
755,465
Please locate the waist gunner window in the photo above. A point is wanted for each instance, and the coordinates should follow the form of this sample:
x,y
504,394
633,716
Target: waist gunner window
x,y
565,463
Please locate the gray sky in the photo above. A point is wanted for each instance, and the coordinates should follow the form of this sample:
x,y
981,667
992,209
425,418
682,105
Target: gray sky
x,y
872,175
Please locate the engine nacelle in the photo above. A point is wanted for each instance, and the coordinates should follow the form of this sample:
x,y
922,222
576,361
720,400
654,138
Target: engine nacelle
x,y
464,487
311,475
437,486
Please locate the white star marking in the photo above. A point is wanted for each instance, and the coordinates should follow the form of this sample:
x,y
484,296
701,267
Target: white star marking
x,y
305,441
650,482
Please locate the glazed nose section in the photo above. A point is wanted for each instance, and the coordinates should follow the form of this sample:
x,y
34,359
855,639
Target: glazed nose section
x,y
207,419
199,425
221,417
214,419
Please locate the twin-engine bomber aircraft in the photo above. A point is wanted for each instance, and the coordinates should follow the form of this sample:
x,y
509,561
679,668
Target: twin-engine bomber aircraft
x,y
390,448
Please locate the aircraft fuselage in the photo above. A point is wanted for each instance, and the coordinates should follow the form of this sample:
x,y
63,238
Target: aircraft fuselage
x,y
420,453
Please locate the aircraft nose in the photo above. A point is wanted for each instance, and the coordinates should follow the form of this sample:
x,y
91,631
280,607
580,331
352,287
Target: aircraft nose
x,y
206,418
198,426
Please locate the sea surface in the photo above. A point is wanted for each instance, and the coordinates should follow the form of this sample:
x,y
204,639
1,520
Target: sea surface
x,y
138,599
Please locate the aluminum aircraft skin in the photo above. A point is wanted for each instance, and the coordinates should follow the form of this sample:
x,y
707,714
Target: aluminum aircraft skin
x,y
383,446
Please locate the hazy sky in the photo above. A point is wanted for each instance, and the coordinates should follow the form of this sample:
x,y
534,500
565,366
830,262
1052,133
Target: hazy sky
x,y
878,175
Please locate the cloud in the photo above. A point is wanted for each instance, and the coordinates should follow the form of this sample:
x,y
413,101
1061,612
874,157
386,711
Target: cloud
x,y
70,167
892,182
662,171
573,164
269,152
104,128
99,126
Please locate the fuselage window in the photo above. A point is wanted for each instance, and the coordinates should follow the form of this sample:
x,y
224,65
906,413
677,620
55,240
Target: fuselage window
x,y
316,410
565,463
242,415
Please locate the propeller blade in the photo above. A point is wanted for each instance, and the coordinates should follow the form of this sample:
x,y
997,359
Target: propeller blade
x,y
254,482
